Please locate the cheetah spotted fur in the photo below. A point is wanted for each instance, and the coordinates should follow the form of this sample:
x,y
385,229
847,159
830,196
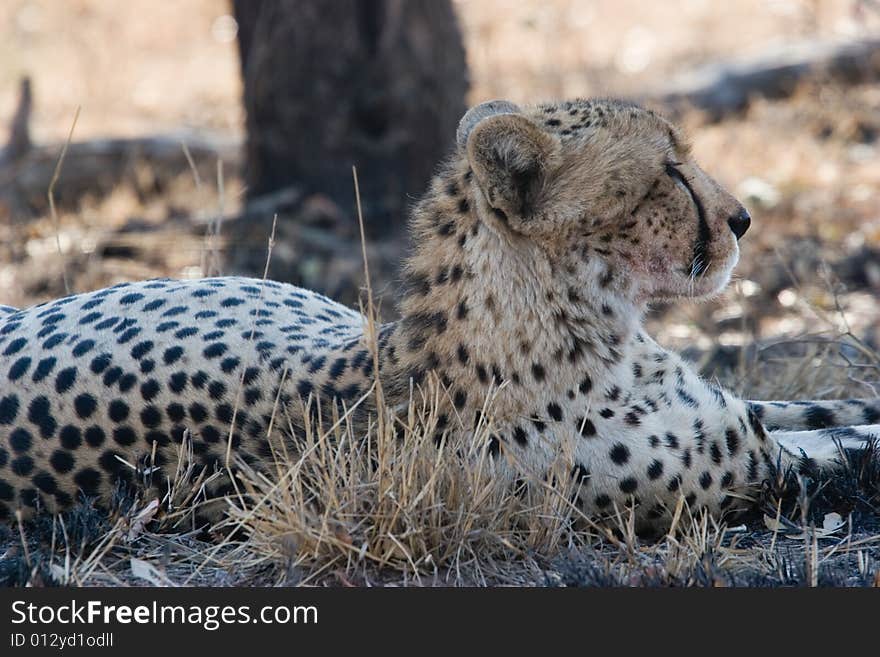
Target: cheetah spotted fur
x,y
537,248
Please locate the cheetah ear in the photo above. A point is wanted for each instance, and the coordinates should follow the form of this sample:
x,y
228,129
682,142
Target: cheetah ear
x,y
479,112
508,154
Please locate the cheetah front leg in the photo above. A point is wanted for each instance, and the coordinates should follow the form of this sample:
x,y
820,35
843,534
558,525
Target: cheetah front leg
x,y
824,446
811,415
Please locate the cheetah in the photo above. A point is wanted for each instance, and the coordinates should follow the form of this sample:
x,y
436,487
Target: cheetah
x,y
536,251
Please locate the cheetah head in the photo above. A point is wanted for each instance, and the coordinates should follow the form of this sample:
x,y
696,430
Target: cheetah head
x,y
607,180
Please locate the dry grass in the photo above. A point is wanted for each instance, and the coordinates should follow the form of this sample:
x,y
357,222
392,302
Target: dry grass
x,y
394,508
392,501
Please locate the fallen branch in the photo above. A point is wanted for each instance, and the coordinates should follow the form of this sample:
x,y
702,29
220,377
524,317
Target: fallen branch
x,y
723,89
98,166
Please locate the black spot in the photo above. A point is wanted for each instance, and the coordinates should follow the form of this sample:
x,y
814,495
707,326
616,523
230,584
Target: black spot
x,y
215,350
15,346
460,399
8,409
149,389
250,375
177,382
337,368
30,497
111,376
628,485
671,441
216,390
715,452
65,380
210,434
304,388
705,480
819,418
89,481
70,436
655,470
45,482
586,427
554,411
538,371
580,473
632,419
727,480
100,363
20,441
519,435
128,336
22,466
124,436
586,385
229,364
153,305
199,379
686,458
172,355
197,412
619,454
110,461
175,412
127,382
224,413
606,413
253,395
44,368
732,439
151,417
141,349
686,398
756,426
94,436
117,410
61,461
674,484
602,501
39,412
129,299
19,368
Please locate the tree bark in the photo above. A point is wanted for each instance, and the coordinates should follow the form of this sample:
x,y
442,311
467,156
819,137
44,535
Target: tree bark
x,y
328,84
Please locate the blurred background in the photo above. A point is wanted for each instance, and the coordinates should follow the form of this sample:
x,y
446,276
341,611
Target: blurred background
x,y
201,121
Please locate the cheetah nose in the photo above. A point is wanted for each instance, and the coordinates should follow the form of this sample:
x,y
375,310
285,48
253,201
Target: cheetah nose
x,y
740,222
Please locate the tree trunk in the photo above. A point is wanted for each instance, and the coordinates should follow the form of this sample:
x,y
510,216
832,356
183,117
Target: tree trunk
x,y
379,84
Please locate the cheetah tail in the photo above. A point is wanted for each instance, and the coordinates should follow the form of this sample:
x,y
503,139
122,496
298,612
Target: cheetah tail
x,y
824,447
810,415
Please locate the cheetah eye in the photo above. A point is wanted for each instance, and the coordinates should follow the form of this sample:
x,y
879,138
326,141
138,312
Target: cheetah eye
x,y
673,172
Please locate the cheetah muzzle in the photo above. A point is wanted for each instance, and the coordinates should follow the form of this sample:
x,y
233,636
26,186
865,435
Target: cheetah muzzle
x,y
536,250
